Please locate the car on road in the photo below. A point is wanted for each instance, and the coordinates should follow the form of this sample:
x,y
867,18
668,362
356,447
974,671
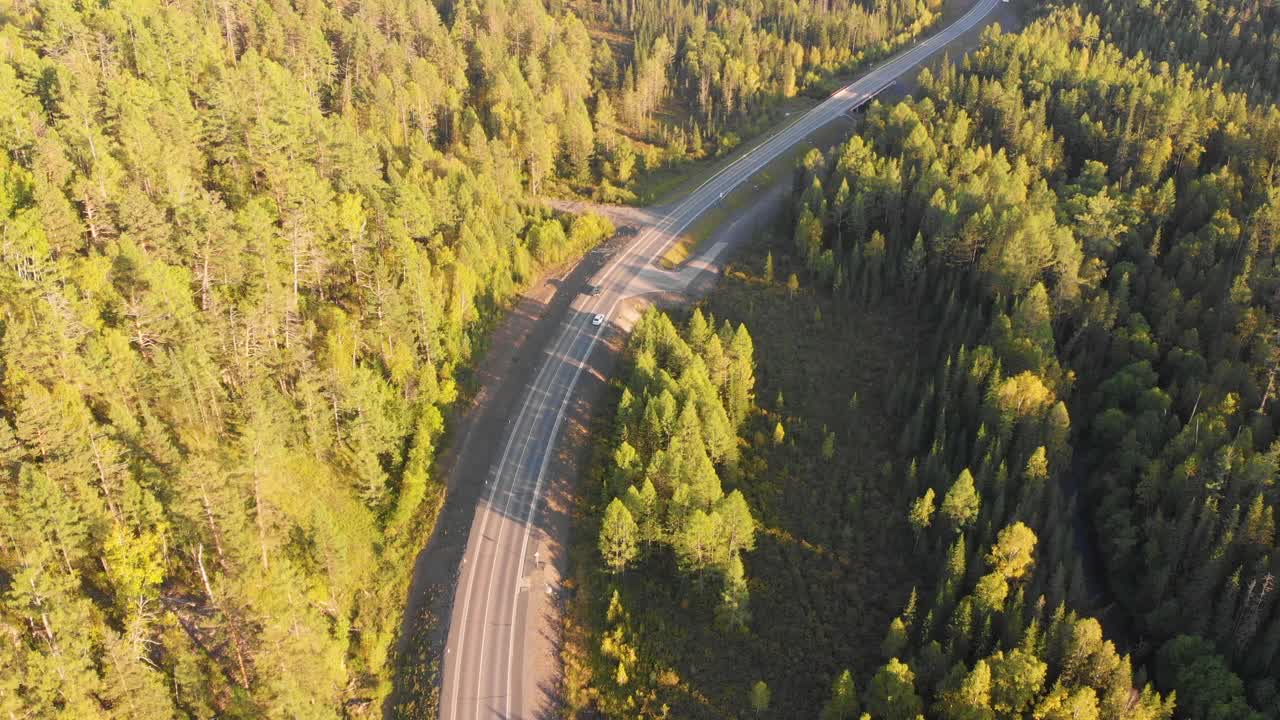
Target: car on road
x,y
593,290
598,320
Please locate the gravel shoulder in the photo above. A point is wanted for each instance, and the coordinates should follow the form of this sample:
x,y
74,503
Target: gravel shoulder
x,y
506,368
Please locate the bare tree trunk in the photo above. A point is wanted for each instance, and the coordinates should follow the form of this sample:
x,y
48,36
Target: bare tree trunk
x,y
90,215
213,525
259,507
1271,386
102,477
227,30
49,637
204,281
237,641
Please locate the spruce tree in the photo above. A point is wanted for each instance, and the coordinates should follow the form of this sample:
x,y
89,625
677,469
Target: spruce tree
x,y
618,536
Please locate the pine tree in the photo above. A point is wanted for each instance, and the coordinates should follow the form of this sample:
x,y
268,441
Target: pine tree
x,y
957,563
618,536
643,506
697,543
895,640
961,503
760,697
733,612
921,514
892,695
741,381
698,332
843,704
736,524
971,700
1259,525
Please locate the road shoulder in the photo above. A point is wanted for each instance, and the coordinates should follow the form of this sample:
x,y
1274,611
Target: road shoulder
x,y
506,368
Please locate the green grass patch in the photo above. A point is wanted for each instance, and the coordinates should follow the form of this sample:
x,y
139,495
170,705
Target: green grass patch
x,y
667,183
692,239
778,170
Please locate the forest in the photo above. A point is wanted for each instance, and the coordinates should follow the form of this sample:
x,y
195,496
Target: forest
x,y
1234,42
243,267
250,250
1083,466
675,82
1108,285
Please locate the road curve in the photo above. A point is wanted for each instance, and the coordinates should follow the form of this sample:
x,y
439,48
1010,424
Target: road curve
x,y
502,574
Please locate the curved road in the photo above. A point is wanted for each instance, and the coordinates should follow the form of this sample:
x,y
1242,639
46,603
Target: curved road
x,y
501,577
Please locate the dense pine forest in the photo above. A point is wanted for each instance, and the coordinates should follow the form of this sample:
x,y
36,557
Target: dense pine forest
x,y
987,431
681,81
1236,42
243,263
1107,281
249,251
1082,468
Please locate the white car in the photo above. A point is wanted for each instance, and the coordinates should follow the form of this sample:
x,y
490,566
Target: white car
x,y
598,320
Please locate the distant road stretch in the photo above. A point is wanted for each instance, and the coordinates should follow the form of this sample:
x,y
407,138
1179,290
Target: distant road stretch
x,y
487,665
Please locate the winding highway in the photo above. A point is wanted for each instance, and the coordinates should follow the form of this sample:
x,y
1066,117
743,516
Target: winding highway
x,y
505,580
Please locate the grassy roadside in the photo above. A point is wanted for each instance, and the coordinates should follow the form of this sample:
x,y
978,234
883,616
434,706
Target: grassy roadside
x,y
826,576
777,171
667,183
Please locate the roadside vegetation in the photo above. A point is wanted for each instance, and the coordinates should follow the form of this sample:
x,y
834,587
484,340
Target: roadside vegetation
x,y
1093,298
688,640
242,267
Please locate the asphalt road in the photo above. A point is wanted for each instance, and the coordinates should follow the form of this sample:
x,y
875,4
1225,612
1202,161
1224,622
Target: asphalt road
x,y
504,573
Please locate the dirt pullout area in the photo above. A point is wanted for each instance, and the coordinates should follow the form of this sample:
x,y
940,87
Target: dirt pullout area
x,y
508,366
